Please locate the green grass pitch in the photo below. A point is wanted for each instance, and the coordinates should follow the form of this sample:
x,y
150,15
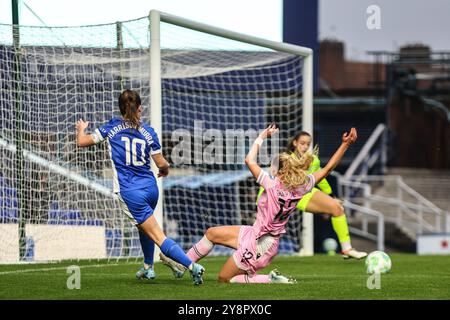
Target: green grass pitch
x,y
319,277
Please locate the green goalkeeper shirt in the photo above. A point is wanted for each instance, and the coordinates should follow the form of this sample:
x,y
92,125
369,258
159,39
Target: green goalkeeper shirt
x,y
323,185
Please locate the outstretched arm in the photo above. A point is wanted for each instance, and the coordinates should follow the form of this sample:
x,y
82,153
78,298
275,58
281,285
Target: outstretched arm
x,y
83,139
347,140
250,159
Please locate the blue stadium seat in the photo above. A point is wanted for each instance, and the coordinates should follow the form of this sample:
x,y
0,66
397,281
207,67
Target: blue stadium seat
x,y
8,203
135,249
29,251
287,246
113,242
66,217
70,217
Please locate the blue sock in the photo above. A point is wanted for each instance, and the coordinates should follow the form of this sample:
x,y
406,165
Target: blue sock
x,y
148,247
171,249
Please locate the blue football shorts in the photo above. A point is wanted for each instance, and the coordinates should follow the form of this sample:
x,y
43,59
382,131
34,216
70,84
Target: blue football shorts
x,y
139,204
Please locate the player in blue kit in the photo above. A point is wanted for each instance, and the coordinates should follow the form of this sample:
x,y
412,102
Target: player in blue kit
x,y
131,145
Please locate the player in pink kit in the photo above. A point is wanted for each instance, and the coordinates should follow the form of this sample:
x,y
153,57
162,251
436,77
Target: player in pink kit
x,y
257,245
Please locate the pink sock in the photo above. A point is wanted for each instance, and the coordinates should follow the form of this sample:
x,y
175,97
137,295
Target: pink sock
x,y
200,249
244,278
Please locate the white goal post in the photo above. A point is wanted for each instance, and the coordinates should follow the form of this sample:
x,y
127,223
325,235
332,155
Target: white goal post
x,y
156,91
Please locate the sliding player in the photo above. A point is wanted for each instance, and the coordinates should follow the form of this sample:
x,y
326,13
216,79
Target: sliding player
x,y
257,245
131,144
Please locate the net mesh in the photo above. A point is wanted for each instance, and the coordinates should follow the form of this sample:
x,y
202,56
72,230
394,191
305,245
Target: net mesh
x,y
217,94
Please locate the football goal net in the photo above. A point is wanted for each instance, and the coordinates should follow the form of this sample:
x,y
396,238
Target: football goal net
x,y
205,90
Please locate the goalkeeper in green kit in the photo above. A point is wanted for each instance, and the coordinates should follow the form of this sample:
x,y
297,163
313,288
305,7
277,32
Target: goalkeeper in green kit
x,y
319,200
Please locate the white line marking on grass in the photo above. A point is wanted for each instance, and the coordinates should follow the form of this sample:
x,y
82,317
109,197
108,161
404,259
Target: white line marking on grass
x,y
86,266
63,268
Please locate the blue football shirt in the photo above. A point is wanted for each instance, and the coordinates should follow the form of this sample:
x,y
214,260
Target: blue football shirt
x,y
130,151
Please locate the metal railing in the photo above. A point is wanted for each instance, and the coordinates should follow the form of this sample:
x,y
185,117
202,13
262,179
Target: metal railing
x,y
373,151
363,209
364,232
410,215
405,207
409,210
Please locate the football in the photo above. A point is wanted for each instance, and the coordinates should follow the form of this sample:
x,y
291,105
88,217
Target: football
x,y
330,245
378,262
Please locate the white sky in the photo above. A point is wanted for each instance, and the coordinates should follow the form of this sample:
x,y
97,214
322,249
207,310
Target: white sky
x,y
402,21
265,15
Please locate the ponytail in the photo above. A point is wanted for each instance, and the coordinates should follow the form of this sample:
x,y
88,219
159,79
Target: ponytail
x,y
129,102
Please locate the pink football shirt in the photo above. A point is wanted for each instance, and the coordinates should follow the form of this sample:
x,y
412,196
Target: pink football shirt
x,y
276,204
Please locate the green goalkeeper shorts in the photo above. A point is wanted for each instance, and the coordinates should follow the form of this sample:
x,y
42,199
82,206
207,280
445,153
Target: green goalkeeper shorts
x,y
303,203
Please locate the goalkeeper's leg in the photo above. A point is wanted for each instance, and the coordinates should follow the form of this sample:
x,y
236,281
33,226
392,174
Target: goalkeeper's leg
x,y
323,203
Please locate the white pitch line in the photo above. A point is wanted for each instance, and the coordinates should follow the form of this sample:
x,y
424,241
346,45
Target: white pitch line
x,y
63,268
